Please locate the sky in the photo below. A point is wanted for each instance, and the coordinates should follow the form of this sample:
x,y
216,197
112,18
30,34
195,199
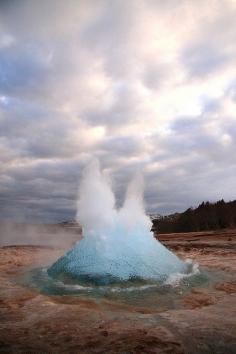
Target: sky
x,y
142,85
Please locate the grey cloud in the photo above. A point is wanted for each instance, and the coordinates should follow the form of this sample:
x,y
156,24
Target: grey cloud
x,y
74,66
231,91
211,49
110,36
203,58
123,110
46,188
37,132
193,164
187,183
191,138
22,67
121,146
155,74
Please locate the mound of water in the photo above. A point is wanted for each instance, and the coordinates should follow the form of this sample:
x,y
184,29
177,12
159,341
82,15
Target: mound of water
x,y
117,244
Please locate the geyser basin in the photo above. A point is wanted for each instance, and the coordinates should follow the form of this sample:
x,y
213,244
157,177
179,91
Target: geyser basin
x,y
117,245
161,295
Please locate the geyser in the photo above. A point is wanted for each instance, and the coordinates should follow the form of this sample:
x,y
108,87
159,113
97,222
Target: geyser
x,y
117,245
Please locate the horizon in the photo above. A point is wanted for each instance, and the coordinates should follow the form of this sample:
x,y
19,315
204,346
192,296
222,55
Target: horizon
x,y
131,84
73,220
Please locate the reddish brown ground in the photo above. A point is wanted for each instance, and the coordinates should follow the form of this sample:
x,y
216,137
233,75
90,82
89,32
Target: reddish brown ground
x,y
206,323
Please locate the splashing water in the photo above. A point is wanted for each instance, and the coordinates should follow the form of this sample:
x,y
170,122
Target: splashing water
x,y
117,245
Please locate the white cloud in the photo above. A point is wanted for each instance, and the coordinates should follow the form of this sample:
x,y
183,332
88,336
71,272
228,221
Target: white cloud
x,y
141,84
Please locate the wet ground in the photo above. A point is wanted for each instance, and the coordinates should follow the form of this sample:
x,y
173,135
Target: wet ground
x,y
201,319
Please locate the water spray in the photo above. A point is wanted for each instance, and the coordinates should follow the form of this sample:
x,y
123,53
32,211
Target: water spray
x,y
117,244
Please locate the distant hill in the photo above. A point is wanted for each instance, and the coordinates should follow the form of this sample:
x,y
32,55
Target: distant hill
x,y
207,216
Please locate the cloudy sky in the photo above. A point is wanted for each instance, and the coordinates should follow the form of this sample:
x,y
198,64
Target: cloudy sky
x,y
144,85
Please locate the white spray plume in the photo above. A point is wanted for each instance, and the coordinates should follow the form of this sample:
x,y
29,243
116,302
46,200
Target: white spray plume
x,y
96,202
132,214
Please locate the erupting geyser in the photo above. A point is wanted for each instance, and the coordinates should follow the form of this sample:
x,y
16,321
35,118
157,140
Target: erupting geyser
x,y
117,245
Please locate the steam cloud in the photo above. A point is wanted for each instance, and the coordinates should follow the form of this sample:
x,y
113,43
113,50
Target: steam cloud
x,y
117,244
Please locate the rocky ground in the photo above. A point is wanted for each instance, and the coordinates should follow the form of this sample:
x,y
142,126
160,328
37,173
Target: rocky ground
x,y
31,322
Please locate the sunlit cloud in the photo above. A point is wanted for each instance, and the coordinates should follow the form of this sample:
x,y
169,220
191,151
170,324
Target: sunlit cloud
x,y
143,85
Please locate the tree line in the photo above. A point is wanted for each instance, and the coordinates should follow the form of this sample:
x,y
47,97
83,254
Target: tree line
x,y
207,216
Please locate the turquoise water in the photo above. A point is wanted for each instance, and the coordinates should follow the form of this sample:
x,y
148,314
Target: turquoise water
x,y
103,261
136,292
